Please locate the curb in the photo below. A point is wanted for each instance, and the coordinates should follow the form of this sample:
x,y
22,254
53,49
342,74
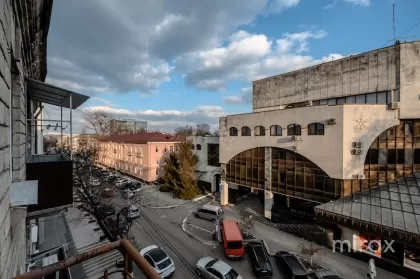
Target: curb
x,y
206,242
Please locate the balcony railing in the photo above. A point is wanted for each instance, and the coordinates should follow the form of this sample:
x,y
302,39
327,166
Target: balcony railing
x,y
125,247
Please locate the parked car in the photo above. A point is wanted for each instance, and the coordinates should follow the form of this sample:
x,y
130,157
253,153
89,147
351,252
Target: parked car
x,y
208,267
324,274
128,194
209,212
108,192
123,182
133,211
260,260
95,182
159,259
290,265
107,210
135,187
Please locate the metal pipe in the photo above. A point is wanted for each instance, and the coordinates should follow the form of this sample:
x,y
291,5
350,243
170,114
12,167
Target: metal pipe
x,y
141,262
71,127
50,269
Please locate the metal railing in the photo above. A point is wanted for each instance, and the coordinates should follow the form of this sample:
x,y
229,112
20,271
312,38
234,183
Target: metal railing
x,y
128,250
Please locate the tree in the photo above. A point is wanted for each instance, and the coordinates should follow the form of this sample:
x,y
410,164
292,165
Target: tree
x,y
50,142
216,133
309,250
185,131
120,129
179,171
202,130
97,121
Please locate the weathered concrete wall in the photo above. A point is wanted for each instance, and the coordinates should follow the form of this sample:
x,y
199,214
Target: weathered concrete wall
x,y
331,151
12,234
367,72
410,80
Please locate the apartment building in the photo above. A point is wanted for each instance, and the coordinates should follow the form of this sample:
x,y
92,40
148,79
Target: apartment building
x,y
141,155
129,126
208,167
342,136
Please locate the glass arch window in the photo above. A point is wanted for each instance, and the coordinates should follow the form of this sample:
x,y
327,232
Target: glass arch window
x,y
276,130
245,131
315,129
198,146
259,131
294,130
233,131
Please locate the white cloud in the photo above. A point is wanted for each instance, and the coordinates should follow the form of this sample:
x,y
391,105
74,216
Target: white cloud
x,y
359,2
277,6
244,97
331,5
248,57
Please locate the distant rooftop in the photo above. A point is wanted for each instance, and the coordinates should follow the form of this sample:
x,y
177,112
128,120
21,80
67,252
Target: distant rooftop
x,y
394,206
142,138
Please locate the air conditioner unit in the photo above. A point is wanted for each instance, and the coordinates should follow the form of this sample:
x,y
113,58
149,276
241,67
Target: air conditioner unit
x,y
308,103
357,144
331,121
356,151
296,138
394,105
296,148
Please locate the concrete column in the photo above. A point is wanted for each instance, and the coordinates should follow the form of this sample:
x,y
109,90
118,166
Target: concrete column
x,y
224,189
268,195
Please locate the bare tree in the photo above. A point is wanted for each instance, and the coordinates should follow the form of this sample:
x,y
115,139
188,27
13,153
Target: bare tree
x,y
202,130
216,133
185,131
50,142
97,121
120,129
309,250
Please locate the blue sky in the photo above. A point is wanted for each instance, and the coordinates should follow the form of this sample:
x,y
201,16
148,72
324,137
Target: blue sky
x,y
191,63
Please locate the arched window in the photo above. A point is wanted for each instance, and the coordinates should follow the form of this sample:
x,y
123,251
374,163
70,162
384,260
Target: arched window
x,y
198,146
275,130
315,129
192,146
259,131
245,131
233,131
293,130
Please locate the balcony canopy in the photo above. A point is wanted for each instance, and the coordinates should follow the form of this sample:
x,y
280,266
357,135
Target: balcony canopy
x,y
53,95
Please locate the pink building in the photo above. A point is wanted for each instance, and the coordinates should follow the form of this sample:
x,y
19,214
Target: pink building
x,y
141,155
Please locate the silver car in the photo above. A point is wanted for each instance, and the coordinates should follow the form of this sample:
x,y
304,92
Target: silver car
x,y
160,261
211,268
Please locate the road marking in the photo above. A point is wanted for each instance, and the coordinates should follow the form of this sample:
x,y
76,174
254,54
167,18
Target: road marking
x,y
200,228
202,197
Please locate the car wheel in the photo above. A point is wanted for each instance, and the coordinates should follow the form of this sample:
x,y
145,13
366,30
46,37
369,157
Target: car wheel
x,y
198,271
196,215
213,220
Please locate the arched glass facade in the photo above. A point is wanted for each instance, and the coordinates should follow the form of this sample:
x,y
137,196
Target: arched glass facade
x,y
291,174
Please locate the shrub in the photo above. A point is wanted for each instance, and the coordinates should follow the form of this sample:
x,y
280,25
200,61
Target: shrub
x,y
165,188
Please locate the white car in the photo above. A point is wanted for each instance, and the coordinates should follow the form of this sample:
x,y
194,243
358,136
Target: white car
x,y
211,268
160,261
128,194
119,182
134,212
96,182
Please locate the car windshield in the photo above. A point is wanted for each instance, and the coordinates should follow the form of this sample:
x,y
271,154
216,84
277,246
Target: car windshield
x,y
232,274
234,245
157,255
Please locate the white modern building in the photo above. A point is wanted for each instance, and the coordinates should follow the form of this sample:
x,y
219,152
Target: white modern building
x,y
330,134
132,125
208,167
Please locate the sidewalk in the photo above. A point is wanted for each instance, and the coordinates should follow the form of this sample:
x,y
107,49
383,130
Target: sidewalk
x,y
277,240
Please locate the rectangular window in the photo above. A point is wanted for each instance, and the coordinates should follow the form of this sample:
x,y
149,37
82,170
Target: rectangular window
x,y
360,99
341,101
213,154
371,98
323,102
171,148
381,98
350,99
332,101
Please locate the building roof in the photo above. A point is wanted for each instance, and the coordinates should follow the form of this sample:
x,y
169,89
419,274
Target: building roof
x,y
393,206
142,138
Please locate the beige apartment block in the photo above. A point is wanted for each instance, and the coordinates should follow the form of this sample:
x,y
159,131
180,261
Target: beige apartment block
x,y
141,155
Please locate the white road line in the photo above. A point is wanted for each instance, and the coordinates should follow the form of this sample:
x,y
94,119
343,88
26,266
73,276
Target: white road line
x,y
202,197
201,228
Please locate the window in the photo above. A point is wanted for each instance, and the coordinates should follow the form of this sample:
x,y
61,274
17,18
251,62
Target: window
x,y
233,132
293,130
165,149
259,131
315,129
192,146
213,154
157,171
157,149
176,147
245,131
275,130
198,146
171,148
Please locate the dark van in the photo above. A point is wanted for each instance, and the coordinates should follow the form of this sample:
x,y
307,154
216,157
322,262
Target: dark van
x,y
290,265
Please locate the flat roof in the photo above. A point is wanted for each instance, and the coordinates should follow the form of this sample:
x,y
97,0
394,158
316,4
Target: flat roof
x,y
395,205
234,232
53,95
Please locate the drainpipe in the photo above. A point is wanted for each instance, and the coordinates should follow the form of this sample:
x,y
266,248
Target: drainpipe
x,y
11,135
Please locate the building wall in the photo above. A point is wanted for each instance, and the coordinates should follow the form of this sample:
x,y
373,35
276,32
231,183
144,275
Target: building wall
x,y
146,160
331,151
205,172
410,80
12,148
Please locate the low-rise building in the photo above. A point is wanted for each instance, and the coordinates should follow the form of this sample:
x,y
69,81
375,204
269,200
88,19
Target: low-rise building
x,y
208,166
141,155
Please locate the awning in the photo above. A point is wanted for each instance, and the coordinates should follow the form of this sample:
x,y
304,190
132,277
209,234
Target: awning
x,y
53,95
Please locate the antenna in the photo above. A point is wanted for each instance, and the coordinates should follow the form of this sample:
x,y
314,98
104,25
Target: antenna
x,y
393,19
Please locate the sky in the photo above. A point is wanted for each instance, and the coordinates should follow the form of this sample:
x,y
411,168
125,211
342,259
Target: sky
x,y
188,62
